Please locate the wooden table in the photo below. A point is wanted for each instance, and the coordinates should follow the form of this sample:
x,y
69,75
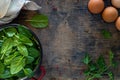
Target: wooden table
x,y
72,32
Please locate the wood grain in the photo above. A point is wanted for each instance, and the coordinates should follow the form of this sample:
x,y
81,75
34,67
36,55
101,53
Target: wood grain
x,y
72,32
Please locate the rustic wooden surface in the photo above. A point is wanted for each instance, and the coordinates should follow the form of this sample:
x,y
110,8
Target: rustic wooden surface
x,y
72,32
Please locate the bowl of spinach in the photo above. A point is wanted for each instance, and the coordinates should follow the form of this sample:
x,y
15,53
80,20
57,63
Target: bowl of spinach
x,y
20,52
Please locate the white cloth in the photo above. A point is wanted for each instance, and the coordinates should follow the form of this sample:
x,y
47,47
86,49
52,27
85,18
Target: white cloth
x,y
14,8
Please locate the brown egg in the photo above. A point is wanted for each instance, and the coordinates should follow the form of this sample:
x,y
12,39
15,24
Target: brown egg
x,y
96,6
110,14
116,3
117,23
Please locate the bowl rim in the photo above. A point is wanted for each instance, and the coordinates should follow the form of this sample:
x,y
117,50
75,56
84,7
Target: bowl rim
x,y
39,46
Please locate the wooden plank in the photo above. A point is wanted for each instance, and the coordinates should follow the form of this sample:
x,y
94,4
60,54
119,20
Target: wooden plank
x,y
72,32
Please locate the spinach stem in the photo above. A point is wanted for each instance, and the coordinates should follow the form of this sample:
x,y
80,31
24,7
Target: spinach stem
x,y
34,21
2,56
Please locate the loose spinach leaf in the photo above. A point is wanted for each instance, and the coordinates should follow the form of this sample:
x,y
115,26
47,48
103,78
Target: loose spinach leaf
x,y
87,59
101,63
28,72
6,74
111,55
10,78
39,21
23,50
37,61
33,52
97,75
7,45
16,41
87,72
98,68
20,74
1,36
24,39
29,59
92,67
2,67
9,59
106,34
10,31
17,64
111,76
24,31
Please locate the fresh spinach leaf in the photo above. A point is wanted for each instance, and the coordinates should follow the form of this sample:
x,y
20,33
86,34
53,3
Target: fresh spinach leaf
x,y
24,31
7,45
39,21
33,52
16,41
101,62
23,50
28,72
106,34
2,67
10,31
17,64
87,59
92,67
37,61
111,55
98,68
20,74
29,59
9,59
111,76
24,39
6,74
1,36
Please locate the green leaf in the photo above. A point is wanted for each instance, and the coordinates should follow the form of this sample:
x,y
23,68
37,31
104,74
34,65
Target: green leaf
x,y
37,61
87,59
16,41
28,72
97,75
29,59
7,45
111,76
2,67
24,39
101,62
24,31
87,72
10,31
111,56
9,59
106,34
23,50
20,74
1,36
17,65
39,21
6,74
92,66
33,52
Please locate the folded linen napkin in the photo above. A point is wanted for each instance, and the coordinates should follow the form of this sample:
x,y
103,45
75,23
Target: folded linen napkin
x,y
9,9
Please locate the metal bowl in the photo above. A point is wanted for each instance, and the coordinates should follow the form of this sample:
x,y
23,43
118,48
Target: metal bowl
x,y
37,68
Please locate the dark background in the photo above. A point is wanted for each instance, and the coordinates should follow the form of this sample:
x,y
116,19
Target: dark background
x,y
72,32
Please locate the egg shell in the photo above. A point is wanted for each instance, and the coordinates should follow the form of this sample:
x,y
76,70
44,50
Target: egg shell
x,y
117,23
110,14
116,3
96,6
